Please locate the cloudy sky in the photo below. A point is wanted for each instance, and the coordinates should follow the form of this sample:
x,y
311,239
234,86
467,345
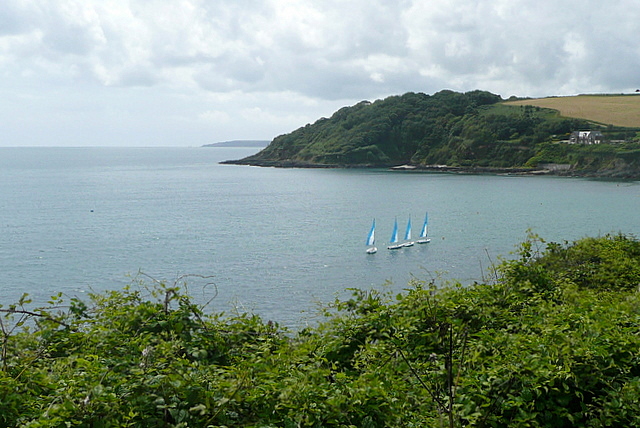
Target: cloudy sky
x,y
192,72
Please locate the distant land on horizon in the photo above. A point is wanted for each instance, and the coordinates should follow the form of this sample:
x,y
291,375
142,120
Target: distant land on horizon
x,y
240,143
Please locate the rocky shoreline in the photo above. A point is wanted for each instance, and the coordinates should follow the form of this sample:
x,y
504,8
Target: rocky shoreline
x,y
279,164
618,173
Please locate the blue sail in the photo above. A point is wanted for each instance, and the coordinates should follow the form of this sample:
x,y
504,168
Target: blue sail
x,y
423,232
394,234
407,233
371,238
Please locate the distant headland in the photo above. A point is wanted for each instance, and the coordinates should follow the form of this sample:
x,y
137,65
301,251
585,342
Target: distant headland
x,y
240,143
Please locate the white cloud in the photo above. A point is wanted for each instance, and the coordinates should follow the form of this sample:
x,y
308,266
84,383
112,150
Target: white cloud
x,y
287,62
216,117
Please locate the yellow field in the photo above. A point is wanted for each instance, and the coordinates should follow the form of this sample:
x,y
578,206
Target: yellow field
x,y
609,110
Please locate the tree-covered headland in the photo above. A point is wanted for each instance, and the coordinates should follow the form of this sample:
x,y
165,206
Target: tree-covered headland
x,y
549,338
460,130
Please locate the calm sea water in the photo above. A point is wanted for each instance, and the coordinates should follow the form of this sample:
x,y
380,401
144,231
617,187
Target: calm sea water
x,y
275,241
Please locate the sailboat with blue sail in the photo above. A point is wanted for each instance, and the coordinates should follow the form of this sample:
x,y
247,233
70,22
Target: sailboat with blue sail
x,y
394,245
407,235
425,229
371,239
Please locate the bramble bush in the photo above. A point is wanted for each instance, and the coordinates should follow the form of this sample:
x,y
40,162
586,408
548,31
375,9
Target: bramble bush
x,y
551,340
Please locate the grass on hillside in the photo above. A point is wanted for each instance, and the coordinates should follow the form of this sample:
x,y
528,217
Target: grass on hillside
x,y
511,110
619,110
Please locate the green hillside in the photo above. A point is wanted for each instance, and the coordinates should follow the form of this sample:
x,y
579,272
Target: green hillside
x,y
469,130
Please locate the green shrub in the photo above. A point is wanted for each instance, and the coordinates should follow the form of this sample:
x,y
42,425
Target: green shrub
x,y
551,340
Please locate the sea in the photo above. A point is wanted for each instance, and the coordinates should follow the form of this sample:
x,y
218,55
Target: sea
x,y
279,243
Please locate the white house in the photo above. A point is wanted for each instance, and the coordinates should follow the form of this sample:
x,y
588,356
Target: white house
x,y
586,137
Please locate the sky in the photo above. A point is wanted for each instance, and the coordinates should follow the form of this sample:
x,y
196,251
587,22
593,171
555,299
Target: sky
x,y
193,72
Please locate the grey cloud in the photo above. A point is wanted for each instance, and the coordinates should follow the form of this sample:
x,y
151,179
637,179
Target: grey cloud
x,y
247,46
293,63
68,39
517,43
137,76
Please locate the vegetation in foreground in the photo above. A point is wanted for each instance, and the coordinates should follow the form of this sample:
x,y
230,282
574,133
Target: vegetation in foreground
x,y
551,340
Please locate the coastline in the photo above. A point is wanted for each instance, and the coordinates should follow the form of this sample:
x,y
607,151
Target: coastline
x,y
619,173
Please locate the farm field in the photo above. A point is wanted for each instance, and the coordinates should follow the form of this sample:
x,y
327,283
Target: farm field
x,y
619,110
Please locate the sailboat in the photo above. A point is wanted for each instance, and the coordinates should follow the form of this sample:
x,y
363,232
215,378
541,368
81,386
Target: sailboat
x,y
371,239
423,233
394,237
407,235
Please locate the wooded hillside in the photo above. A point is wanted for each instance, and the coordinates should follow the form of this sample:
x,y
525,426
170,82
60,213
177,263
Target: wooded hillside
x,y
468,130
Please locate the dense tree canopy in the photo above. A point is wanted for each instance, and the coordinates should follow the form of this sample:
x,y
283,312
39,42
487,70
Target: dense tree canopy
x,y
550,338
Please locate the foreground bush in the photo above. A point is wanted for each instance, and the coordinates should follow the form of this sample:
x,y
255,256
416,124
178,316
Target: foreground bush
x,y
552,340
